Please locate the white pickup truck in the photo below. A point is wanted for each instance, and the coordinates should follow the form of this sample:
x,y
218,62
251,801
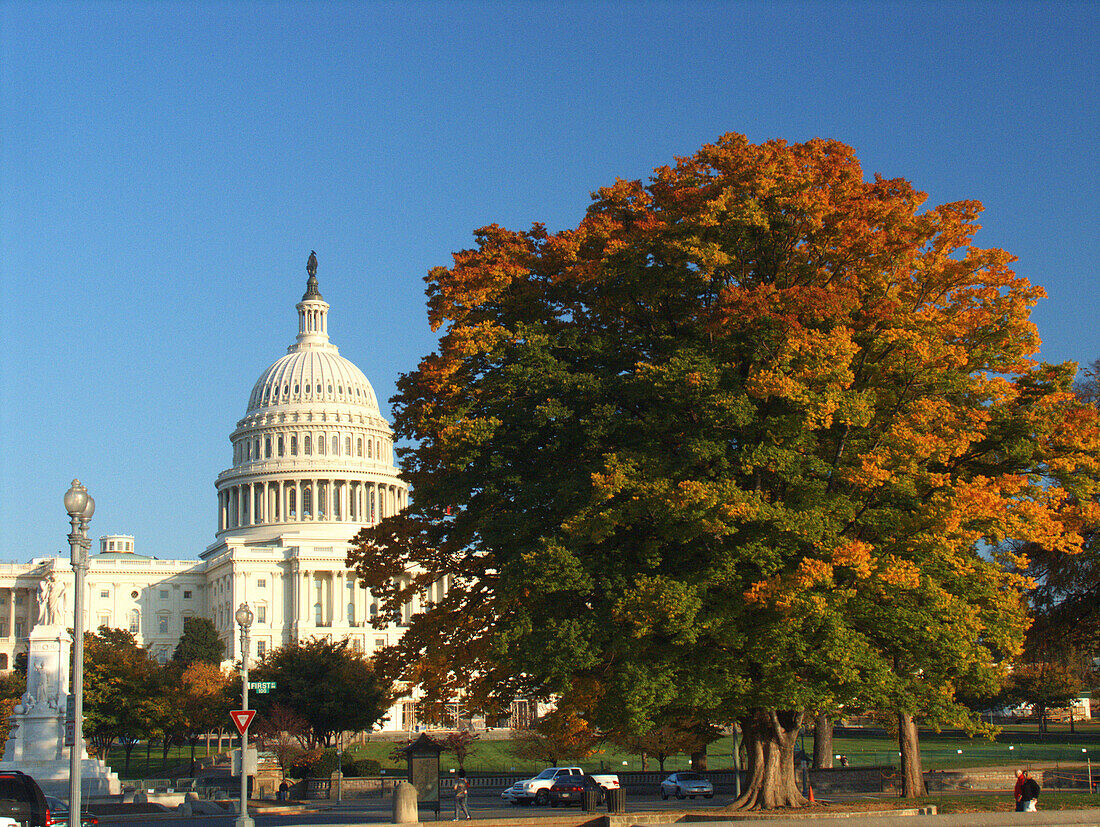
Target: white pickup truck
x,y
537,789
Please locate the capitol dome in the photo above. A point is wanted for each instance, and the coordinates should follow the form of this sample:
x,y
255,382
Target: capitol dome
x,y
304,376
313,446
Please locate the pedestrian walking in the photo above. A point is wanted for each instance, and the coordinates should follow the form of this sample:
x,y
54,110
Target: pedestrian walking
x,y
462,791
1018,790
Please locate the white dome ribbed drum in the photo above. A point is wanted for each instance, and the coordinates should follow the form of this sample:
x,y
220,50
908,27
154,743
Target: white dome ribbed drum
x,y
306,376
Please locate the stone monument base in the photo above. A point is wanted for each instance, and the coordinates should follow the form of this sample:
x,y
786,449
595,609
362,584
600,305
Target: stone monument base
x,y
96,777
36,740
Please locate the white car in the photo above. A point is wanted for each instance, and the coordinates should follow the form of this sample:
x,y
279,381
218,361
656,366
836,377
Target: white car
x,y
537,789
686,785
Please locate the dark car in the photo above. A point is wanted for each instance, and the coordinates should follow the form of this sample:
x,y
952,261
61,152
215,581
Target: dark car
x,y
21,799
59,814
568,789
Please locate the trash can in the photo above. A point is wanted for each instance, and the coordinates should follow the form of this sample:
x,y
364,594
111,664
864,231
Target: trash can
x,y
590,799
616,801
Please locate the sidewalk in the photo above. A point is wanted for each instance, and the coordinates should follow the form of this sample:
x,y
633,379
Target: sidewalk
x,y
1049,818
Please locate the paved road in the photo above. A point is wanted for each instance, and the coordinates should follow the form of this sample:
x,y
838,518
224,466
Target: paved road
x,y
367,812
378,811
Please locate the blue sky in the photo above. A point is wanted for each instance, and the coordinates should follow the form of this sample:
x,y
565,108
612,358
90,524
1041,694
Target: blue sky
x,y
165,169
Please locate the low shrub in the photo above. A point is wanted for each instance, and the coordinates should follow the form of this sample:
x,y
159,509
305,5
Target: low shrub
x,y
305,762
362,768
328,763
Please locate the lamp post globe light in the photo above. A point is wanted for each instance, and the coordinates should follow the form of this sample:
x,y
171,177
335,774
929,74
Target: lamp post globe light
x,y
244,617
80,507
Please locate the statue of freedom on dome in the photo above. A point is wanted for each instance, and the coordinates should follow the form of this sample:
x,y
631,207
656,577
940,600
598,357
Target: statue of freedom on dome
x,y
311,265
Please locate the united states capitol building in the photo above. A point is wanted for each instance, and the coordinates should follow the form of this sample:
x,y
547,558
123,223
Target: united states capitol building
x,y
312,464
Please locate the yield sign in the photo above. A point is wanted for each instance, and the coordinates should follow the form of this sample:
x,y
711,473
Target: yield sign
x,y
242,718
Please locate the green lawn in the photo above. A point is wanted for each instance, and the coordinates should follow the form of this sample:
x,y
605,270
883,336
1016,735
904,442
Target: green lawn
x,y
1020,746
175,766
937,752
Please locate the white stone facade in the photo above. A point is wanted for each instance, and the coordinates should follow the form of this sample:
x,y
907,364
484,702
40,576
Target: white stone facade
x,y
312,463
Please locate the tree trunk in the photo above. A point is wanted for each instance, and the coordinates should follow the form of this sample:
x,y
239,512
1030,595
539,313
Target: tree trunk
x,y
661,760
823,742
769,738
912,774
699,760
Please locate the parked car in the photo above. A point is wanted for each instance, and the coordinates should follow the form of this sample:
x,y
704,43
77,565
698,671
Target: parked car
x,y
21,800
59,814
686,785
568,789
537,789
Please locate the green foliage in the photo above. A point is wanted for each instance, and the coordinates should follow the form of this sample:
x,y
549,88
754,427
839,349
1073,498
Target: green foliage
x,y
558,737
199,642
461,743
362,768
13,684
302,765
1044,686
328,762
331,686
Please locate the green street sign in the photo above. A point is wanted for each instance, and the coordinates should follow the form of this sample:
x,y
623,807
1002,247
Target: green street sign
x,y
262,687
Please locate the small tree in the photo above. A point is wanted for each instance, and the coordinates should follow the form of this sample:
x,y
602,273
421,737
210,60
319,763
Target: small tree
x,y
200,642
461,744
283,732
680,737
1045,686
557,737
201,701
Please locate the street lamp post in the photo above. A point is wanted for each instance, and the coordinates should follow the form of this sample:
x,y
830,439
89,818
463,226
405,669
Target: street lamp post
x,y
80,507
244,617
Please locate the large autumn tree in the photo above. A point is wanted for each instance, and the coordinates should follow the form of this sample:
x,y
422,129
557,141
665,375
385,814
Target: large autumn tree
x,y
745,444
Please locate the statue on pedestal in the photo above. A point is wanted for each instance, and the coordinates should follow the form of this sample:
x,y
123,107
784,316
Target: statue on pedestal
x,y
36,739
51,600
45,597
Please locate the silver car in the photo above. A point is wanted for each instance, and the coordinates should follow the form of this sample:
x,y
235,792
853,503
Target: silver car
x,y
686,785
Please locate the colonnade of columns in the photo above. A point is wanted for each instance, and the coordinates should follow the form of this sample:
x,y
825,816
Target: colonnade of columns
x,y
330,598
314,500
7,623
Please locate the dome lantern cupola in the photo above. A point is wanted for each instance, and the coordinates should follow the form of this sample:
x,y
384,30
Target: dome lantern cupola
x,y
312,291
312,311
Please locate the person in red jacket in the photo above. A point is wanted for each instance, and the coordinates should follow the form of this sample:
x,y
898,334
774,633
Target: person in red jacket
x,y
1029,794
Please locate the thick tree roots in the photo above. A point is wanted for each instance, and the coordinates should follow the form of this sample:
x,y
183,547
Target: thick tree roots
x,y
770,738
